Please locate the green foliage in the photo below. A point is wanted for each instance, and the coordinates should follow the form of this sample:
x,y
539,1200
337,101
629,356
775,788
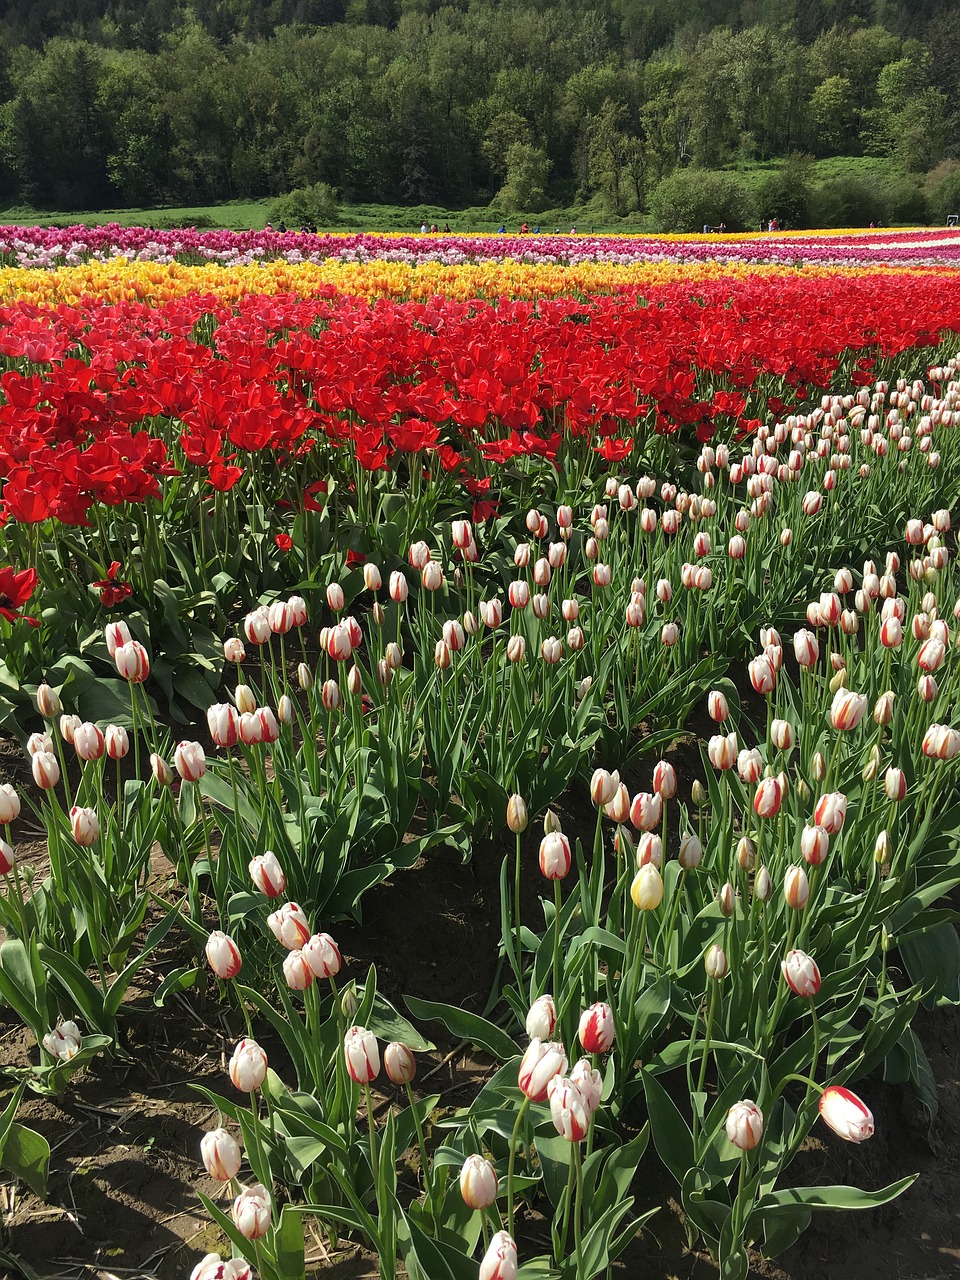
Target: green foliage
x,y
690,199
787,194
315,205
945,197
525,188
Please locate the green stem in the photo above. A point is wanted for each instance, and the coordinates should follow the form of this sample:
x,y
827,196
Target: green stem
x,y
511,1159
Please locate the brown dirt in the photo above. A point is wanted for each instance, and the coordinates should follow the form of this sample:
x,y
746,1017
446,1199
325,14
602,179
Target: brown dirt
x,y
125,1167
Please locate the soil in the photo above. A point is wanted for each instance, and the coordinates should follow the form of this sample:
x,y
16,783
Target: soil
x,y
125,1164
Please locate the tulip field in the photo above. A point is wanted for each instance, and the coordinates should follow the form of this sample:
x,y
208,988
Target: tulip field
x,y
481,733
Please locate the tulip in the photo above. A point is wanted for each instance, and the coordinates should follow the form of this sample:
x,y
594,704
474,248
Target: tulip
x,y
330,696
542,1061
541,1018
716,963
500,1260
814,844
38,742
250,729
895,784
830,812
883,708
555,856
767,798
618,809
800,973
220,1154
132,662
722,750
567,1109
940,742
289,925
399,587
717,706
223,724
399,1063
9,804
750,765
223,955
116,635
596,1029
796,888
48,703
280,617
322,955
85,826
516,814
781,734
63,1042
589,1082
211,1267
88,741
431,576
806,649
650,850
297,972
846,1114
361,1054
248,1066
190,761
646,891
690,853
763,675
646,810
256,626
665,780
478,1182
603,787
117,741
251,1212
745,1125
161,771
233,650
491,613
269,727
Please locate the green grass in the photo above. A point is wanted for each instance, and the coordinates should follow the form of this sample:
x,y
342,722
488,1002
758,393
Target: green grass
x,y
244,215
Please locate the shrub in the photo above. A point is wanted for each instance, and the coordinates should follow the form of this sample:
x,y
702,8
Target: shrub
x,y
846,202
945,197
690,199
316,205
787,194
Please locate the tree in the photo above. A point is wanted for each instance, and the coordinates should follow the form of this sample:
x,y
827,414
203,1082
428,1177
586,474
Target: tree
x,y
787,194
691,199
526,186
833,113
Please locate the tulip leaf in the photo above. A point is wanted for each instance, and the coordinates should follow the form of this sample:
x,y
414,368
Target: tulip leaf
x,y
833,1197
427,1259
26,1154
932,958
464,1025
671,1133
178,980
289,1244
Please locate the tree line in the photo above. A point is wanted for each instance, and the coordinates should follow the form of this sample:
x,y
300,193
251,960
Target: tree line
x,y
140,102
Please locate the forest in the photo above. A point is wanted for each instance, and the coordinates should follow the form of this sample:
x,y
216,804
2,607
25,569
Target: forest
x,y
121,103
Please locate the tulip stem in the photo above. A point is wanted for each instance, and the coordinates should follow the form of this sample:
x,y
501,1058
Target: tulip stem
x,y
516,909
371,1134
711,1010
511,1159
557,902
578,1212
424,1167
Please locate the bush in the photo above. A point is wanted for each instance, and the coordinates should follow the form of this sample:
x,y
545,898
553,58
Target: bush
x,y
903,200
199,221
315,205
945,197
846,202
690,199
787,194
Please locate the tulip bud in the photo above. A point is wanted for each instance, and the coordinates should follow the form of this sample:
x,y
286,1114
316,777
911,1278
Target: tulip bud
x,y
596,1028
542,1061
800,973
361,1054
796,888
48,703
745,1125
223,955
248,1066
541,1018
698,792
555,855
646,891
762,885
846,1114
716,964
251,1212
895,784
220,1154
500,1260
690,853
9,804
478,1182
399,1063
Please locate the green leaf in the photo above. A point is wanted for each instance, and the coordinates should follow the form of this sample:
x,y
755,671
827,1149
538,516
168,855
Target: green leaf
x,y
178,980
836,1197
671,1133
289,1244
26,1154
427,1259
933,959
468,1026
